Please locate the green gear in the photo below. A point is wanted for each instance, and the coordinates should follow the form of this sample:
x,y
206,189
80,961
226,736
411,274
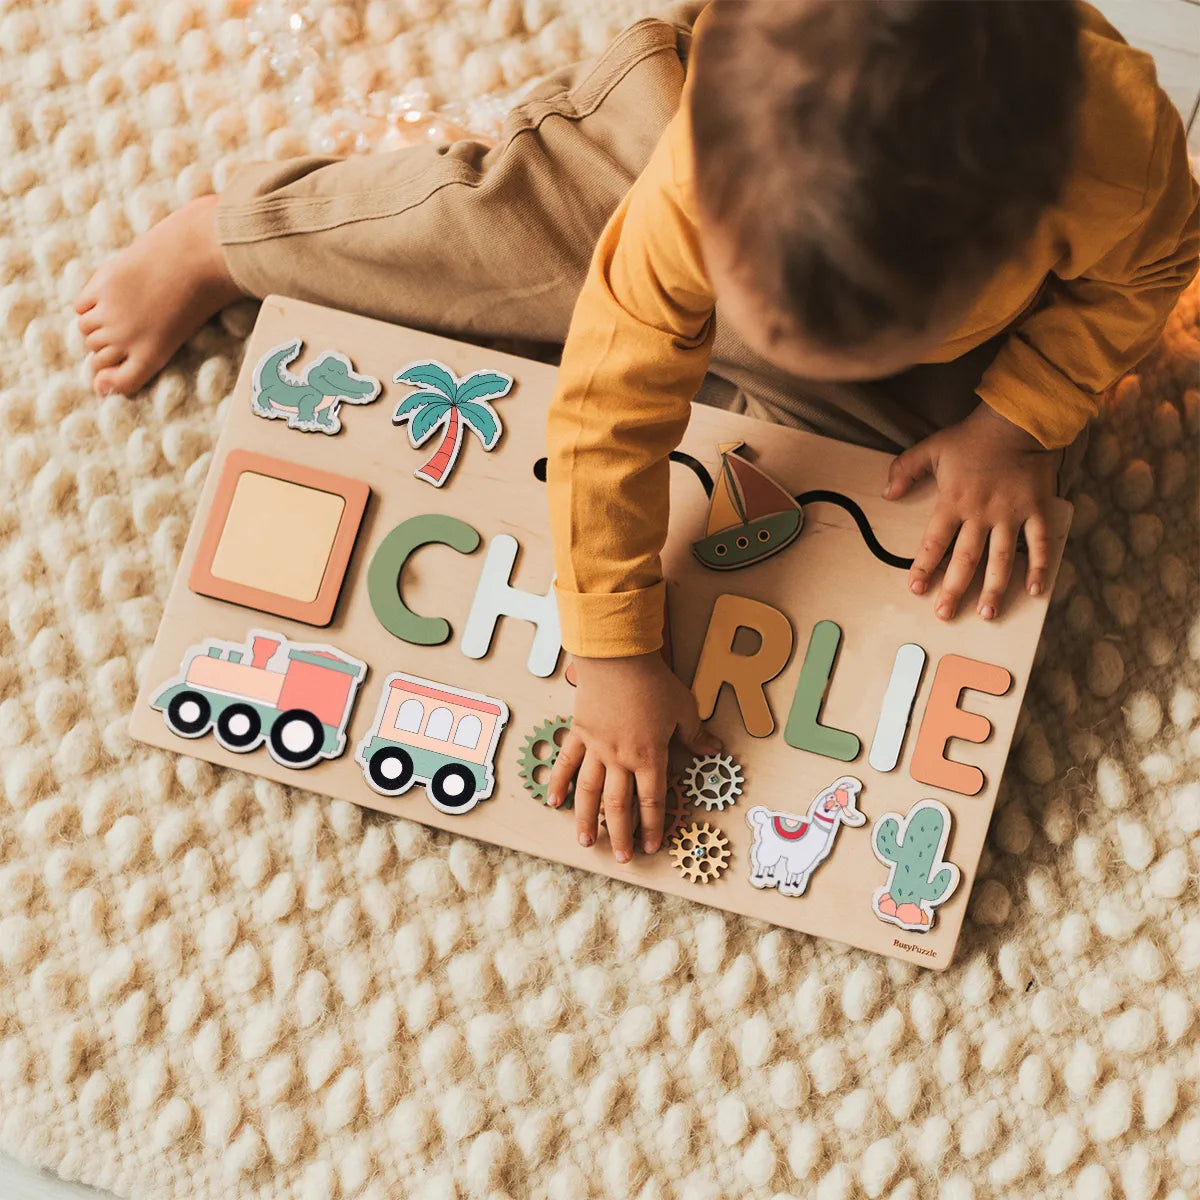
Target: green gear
x,y
529,761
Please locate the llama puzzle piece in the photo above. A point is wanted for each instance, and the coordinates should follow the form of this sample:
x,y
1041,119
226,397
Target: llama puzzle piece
x,y
787,849
443,737
919,879
297,698
310,404
278,537
444,400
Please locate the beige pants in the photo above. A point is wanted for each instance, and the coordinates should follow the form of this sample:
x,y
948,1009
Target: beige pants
x,y
485,242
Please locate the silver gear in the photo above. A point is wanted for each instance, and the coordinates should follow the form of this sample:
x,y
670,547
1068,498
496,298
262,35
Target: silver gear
x,y
714,781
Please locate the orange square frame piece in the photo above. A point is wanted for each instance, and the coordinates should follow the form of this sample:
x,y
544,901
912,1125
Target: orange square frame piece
x,y
279,537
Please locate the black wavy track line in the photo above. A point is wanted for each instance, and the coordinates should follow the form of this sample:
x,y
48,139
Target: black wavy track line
x,y
816,496
822,496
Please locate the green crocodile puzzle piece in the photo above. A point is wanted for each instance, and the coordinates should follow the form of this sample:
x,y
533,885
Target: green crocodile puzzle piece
x,y
310,404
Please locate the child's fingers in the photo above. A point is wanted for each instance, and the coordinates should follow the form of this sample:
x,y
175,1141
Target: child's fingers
x,y
906,469
697,737
1002,548
618,811
566,766
938,535
968,551
589,786
651,799
1037,542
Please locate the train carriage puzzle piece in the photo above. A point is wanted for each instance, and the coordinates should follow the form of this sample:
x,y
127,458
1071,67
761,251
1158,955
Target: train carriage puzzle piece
x,y
310,404
443,737
278,537
787,849
919,880
407,574
295,698
444,401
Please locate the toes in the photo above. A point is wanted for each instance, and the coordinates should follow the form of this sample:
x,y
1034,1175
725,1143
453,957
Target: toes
x,y
88,322
97,340
123,380
87,298
107,356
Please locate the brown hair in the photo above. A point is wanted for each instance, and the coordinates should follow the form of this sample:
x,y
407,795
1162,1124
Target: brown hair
x,y
868,155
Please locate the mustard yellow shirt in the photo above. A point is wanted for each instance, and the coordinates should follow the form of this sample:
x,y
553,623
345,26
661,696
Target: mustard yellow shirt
x,y
1114,253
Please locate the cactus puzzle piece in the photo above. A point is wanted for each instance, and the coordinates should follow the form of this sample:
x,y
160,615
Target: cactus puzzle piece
x,y
310,404
919,879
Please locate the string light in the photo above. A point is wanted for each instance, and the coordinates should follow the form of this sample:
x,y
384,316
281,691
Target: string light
x,y
310,64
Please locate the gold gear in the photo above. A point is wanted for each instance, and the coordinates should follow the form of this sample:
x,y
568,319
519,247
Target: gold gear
x,y
700,852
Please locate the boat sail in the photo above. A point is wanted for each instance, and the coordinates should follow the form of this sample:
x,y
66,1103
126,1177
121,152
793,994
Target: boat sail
x,y
750,517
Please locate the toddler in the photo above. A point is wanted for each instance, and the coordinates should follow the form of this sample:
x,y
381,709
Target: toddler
x,y
939,229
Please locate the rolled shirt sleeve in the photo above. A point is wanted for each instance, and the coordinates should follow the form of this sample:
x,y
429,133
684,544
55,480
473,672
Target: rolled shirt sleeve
x,y
637,350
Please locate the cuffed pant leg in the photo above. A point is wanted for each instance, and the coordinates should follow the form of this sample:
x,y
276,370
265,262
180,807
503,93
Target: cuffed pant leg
x,y
465,239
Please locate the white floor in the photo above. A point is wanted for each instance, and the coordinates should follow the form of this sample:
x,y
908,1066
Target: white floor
x,y
23,1183
1168,29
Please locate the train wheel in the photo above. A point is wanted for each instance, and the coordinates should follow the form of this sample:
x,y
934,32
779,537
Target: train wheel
x,y
296,738
189,714
390,770
239,728
452,789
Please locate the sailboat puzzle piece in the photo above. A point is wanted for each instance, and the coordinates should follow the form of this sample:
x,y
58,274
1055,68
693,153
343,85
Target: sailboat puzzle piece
x,y
787,849
297,698
750,516
310,404
444,400
919,879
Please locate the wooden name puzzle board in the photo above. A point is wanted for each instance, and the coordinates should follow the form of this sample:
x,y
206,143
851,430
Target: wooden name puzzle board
x,y
364,609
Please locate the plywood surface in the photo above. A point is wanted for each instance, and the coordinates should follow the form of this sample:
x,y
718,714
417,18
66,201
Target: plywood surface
x,y
827,574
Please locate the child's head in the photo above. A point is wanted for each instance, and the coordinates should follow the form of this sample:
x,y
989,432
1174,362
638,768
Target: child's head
x,y
864,166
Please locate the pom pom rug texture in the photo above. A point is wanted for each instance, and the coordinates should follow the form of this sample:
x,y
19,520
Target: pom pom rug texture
x,y
212,986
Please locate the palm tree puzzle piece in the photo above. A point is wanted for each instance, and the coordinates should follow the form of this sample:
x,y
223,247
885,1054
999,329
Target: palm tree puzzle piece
x,y
442,399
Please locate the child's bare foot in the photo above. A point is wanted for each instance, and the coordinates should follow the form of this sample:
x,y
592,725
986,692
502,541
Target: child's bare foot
x,y
138,309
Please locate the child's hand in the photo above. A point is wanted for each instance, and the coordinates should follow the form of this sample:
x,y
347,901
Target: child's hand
x,y
626,710
993,478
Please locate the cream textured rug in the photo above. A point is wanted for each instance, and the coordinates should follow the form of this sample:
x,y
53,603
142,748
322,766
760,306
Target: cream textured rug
x,y
214,987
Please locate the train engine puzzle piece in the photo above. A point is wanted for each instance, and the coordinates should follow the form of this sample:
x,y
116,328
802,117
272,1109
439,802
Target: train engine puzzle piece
x,y
788,849
296,698
411,555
